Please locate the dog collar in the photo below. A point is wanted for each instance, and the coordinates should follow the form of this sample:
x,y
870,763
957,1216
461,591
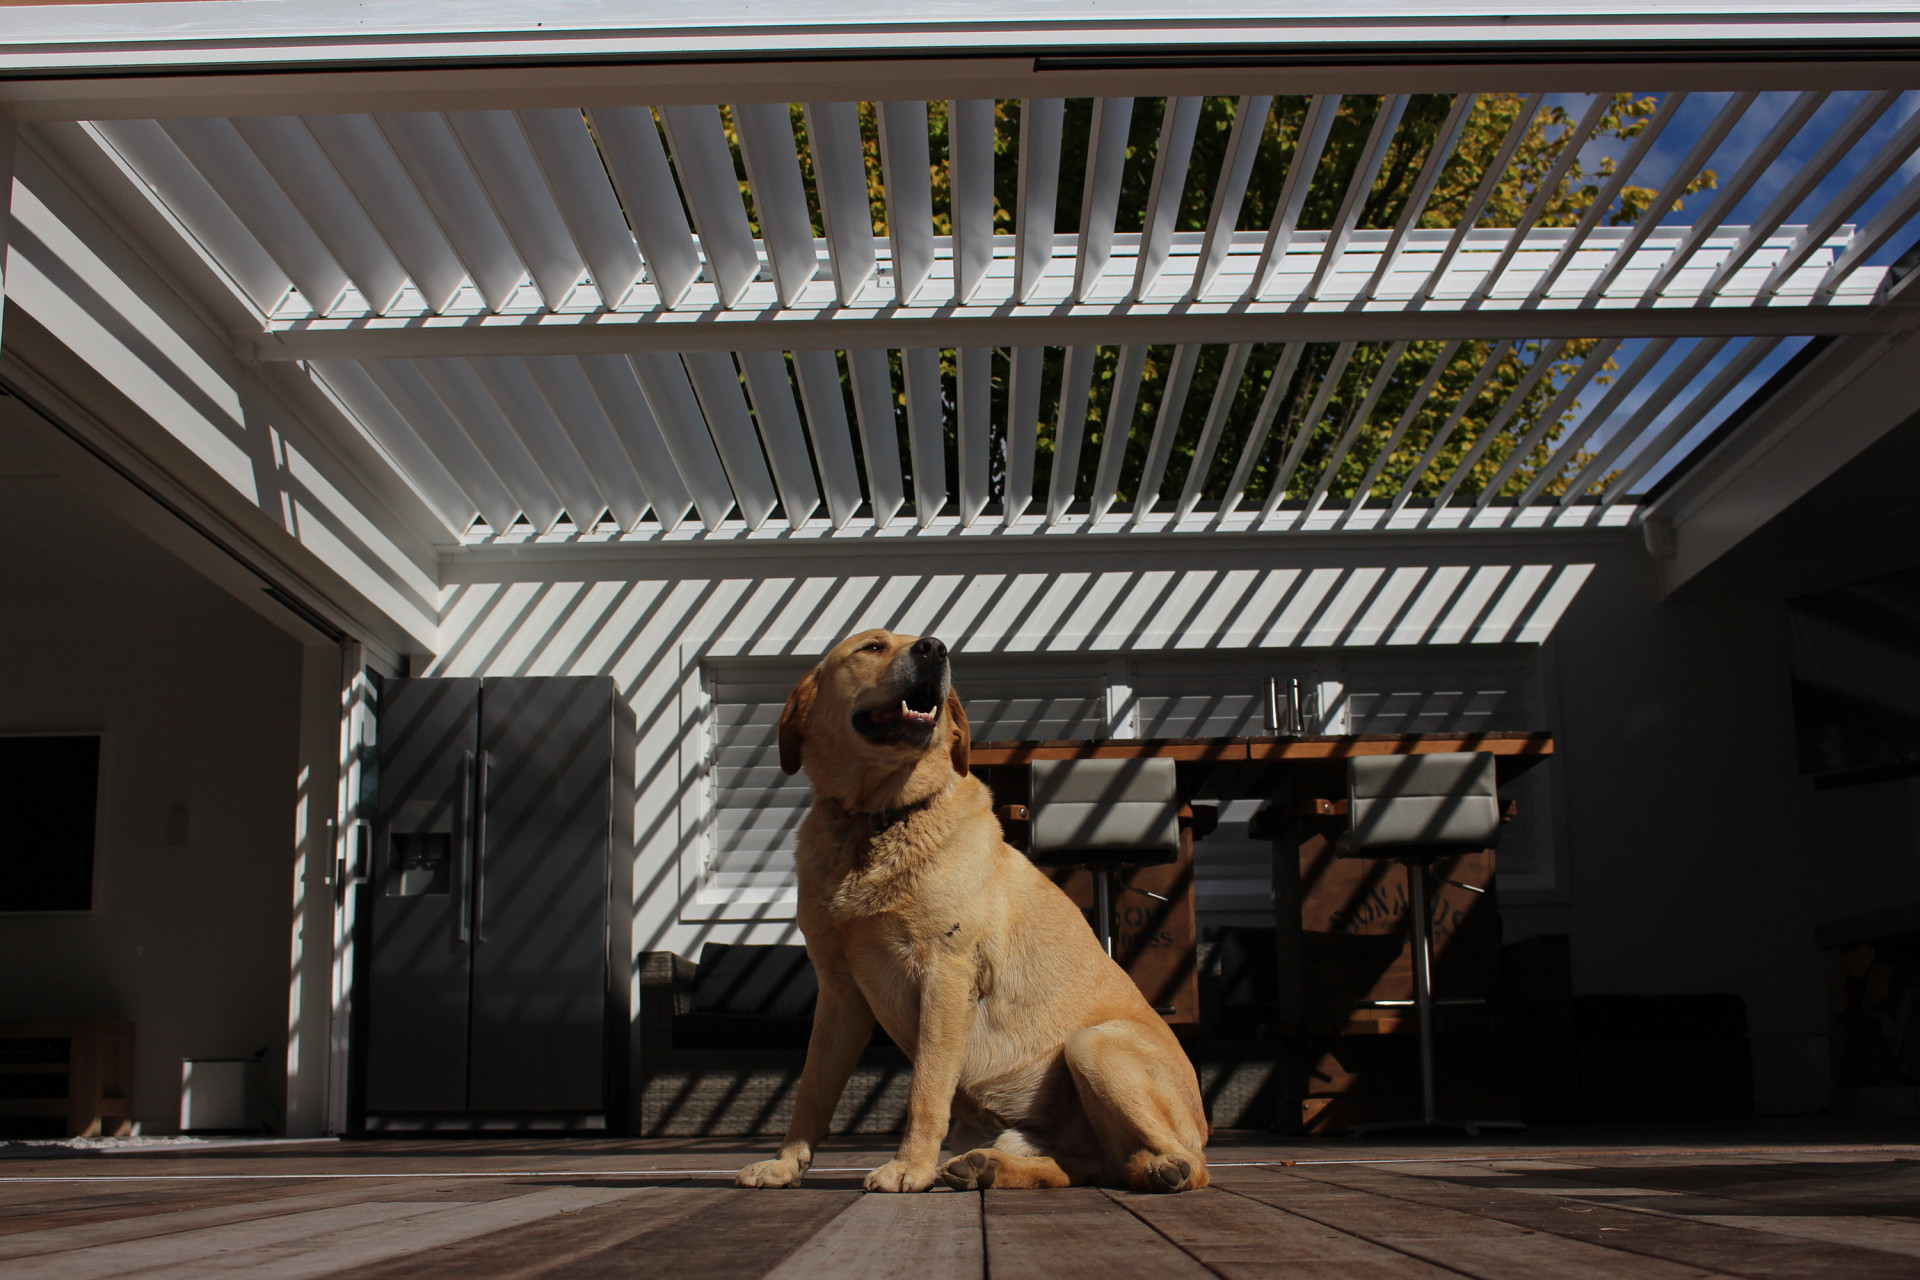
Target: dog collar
x,y
883,820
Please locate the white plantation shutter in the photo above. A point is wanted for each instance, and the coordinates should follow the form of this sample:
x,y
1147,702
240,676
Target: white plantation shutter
x,y
756,808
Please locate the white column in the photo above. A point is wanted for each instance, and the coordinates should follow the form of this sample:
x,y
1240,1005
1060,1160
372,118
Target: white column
x,y
9,131
315,850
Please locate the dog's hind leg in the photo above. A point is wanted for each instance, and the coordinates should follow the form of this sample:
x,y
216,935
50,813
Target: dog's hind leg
x,y
1144,1104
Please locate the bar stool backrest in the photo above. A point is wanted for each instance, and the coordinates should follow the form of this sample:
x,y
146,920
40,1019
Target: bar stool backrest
x,y
1402,806
1105,811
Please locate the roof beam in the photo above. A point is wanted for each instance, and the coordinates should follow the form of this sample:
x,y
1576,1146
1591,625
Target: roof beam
x,y
838,330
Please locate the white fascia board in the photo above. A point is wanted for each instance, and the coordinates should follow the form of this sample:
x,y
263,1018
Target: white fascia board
x,y
287,32
1844,400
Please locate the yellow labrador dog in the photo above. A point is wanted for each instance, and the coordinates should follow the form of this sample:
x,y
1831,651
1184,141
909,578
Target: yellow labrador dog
x,y
918,913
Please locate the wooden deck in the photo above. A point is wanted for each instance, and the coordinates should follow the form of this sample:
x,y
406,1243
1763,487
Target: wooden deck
x,y
1775,1201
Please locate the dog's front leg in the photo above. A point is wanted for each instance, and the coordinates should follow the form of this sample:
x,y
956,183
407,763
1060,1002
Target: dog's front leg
x,y
946,1024
842,1025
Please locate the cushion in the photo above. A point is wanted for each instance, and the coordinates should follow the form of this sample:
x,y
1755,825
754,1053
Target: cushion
x,y
1114,807
759,981
1444,798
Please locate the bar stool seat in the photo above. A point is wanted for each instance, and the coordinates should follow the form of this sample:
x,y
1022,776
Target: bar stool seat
x,y
1104,815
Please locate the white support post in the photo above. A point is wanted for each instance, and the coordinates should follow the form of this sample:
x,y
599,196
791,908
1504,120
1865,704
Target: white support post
x,y
9,132
320,837
356,711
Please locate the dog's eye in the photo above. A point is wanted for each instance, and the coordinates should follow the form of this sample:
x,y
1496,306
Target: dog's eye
x,y
874,647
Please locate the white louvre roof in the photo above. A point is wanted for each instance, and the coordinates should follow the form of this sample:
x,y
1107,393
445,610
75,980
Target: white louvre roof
x,y
559,321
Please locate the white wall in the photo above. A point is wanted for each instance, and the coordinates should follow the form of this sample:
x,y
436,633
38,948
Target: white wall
x,y
650,623
197,701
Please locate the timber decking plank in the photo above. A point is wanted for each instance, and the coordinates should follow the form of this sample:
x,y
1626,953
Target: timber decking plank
x,y
134,1221
1244,1239
1652,1234
301,1245
54,1205
1465,1242
1075,1233
937,1236
551,1245
1883,1235
361,1246
741,1234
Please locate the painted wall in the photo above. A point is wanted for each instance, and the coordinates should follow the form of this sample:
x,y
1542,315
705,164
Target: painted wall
x,y
197,700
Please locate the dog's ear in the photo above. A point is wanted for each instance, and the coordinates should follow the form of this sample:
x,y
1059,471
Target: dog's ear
x,y
962,733
793,720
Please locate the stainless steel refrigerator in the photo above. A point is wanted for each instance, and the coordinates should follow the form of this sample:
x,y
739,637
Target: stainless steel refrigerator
x,y
500,936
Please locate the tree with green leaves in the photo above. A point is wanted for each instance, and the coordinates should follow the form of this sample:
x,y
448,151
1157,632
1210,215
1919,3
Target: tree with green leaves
x,y
1418,428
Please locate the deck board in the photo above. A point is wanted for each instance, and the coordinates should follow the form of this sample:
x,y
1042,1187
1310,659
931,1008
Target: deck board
x,y
1657,1236
1076,1234
932,1237
558,1246
1245,1240
559,1209
1475,1245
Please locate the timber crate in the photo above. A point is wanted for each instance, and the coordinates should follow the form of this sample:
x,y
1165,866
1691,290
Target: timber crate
x,y
66,1077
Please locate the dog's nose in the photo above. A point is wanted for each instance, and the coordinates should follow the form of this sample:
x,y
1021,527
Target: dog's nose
x,y
929,647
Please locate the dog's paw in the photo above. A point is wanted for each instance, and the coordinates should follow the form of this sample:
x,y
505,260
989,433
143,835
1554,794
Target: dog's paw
x,y
974,1171
769,1173
1169,1173
898,1175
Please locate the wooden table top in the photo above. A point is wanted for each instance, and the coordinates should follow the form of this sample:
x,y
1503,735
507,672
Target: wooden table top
x,y
1231,750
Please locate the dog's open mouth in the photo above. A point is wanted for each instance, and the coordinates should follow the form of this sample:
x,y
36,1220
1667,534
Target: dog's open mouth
x,y
910,720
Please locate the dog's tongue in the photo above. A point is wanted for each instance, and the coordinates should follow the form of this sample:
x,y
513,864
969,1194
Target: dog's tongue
x,y
880,715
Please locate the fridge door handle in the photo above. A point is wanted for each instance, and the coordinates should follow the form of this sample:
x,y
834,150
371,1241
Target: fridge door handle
x,y
463,851
480,851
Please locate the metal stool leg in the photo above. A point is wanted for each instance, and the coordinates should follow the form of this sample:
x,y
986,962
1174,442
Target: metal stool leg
x,y
1423,985
1103,904
1423,1001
